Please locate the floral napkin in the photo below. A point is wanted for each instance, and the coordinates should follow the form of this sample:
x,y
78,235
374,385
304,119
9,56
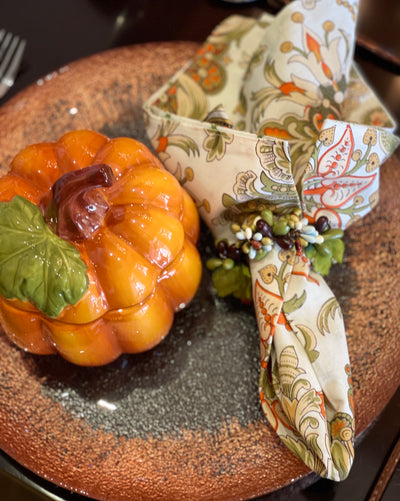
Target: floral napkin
x,y
279,140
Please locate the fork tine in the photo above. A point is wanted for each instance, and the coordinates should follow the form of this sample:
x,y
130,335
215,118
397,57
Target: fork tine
x,y
4,44
9,77
10,64
7,57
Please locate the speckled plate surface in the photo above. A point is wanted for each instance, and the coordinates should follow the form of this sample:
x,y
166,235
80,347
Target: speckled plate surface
x,y
182,421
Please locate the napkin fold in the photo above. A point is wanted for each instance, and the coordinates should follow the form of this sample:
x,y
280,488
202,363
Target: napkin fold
x,y
272,121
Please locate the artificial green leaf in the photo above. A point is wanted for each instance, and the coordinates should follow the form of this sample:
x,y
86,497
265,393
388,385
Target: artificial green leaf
x,y
336,246
225,281
35,264
235,282
322,263
323,249
245,291
310,251
329,251
333,233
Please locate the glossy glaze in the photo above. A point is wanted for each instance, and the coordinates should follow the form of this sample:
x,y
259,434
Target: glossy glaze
x,y
136,232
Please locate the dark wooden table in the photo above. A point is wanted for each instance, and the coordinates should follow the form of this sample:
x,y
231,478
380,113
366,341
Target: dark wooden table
x,y
59,32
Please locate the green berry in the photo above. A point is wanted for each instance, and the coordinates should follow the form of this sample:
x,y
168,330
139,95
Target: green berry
x,y
268,216
228,263
280,228
214,263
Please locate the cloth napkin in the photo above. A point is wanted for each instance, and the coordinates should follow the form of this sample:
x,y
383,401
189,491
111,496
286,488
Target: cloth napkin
x,y
271,117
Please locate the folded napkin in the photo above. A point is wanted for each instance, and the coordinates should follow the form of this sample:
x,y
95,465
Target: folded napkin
x,y
279,140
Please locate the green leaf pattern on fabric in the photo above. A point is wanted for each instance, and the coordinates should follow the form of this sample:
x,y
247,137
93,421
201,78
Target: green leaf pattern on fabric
x,y
327,311
215,143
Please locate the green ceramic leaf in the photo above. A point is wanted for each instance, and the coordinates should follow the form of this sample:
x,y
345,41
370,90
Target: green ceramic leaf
x,y
35,264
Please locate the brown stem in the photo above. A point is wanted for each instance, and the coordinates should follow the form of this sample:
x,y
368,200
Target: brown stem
x,y
79,206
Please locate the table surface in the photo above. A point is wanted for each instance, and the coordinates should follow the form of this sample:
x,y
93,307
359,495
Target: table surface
x,y
64,31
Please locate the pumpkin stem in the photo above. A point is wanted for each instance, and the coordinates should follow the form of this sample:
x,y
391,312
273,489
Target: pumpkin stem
x,y
79,207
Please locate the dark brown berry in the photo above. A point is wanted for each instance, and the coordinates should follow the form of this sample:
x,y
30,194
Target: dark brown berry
x,y
322,224
234,252
222,248
284,241
264,228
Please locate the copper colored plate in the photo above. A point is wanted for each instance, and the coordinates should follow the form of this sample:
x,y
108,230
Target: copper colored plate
x,y
183,421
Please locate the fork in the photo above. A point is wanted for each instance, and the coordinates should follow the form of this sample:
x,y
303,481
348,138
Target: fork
x,y
11,51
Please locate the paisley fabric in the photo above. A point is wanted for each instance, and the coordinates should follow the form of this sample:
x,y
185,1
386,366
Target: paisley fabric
x,y
306,132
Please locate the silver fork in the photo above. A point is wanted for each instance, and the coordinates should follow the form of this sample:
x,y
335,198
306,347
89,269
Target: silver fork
x,y
11,51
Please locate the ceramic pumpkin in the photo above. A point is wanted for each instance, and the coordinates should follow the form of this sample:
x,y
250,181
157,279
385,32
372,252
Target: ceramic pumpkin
x,y
97,248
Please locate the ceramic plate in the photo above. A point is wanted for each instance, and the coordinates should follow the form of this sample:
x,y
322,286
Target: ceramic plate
x,y
182,421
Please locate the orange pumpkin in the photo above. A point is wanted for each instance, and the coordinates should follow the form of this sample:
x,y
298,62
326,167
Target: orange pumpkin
x,y
134,229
